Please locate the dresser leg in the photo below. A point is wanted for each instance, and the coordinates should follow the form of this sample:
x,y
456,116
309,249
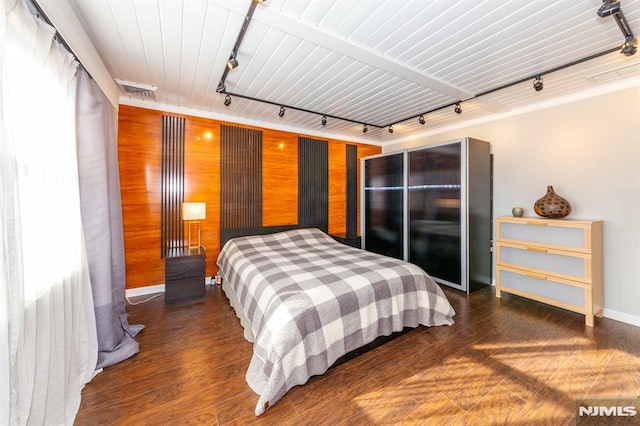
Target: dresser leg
x,y
588,320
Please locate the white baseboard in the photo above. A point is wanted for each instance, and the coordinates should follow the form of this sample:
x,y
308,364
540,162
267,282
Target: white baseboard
x,y
143,291
621,316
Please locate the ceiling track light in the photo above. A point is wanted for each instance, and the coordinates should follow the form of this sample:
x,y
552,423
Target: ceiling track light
x,y
324,120
457,109
608,8
281,113
364,129
613,8
421,119
232,62
227,100
538,84
390,129
629,48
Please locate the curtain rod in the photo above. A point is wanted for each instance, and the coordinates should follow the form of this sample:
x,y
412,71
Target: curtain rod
x,y
40,14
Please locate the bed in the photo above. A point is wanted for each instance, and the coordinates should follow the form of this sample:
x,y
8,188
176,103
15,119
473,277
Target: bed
x,y
305,300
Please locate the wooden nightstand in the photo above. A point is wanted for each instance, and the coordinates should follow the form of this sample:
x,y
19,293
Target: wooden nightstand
x,y
184,271
353,241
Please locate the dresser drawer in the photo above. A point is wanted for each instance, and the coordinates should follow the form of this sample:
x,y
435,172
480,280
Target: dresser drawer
x,y
563,264
545,232
184,267
544,288
183,290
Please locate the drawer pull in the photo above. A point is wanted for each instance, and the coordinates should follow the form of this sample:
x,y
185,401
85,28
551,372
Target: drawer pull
x,y
535,222
532,275
541,250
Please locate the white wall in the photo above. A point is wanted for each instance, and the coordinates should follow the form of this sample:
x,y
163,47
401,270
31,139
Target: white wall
x,y
589,150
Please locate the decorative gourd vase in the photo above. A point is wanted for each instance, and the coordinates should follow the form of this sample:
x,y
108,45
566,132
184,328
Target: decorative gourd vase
x,y
552,205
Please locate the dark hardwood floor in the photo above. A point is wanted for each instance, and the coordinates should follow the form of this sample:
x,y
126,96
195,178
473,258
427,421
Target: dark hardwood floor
x,y
510,361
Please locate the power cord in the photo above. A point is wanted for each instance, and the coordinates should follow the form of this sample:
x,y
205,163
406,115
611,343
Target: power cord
x,y
143,301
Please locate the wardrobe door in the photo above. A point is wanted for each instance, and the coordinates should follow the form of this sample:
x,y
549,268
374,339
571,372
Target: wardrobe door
x,y
384,205
434,188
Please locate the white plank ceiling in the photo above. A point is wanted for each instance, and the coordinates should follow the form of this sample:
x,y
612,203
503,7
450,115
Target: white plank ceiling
x,y
378,62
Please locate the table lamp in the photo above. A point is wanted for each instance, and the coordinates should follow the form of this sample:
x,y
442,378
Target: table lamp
x,y
193,213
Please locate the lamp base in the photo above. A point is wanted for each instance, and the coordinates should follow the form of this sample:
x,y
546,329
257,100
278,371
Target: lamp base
x,y
197,243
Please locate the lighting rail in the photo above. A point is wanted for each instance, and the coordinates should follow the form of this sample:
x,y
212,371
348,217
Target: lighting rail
x,y
608,8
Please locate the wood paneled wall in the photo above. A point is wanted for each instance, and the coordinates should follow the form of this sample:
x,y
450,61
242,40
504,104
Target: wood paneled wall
x,y
279,178
139,139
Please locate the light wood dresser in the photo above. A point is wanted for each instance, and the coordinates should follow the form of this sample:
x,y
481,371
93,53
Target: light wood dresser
x,y
554,261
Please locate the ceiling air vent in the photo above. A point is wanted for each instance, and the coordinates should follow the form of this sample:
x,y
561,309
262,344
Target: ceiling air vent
x,y
137,90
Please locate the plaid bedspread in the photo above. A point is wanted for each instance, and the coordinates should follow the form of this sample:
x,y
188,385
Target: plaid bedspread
x,y
305,300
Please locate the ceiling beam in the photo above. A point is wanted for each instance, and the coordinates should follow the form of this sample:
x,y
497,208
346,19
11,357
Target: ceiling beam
x,y
311,34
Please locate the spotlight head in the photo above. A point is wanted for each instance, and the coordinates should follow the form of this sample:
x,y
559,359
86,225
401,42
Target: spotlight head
x,y
227,100
457,109
390,129
629,48
538,84
421,119
364,129
232,63
324,120
221,88
281,113
608,8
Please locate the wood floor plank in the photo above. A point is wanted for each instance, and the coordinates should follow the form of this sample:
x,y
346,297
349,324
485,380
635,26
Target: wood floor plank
x,y
504,361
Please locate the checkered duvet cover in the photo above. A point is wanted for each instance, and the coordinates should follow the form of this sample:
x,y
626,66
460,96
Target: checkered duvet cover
x,y
305,300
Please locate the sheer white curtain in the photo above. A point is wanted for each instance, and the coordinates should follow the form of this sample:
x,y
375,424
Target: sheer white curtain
x,y
44,281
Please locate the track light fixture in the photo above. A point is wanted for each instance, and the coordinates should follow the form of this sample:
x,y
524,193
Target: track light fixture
x,y
232,62
281,113
457,109
421,119
364,129
612,8
629,48
390,129
227,100
609,8
538,84
324,120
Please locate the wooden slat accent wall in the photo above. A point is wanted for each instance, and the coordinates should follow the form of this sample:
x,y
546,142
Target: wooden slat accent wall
x,y
351,179
241,177
313,183
172,176
140,160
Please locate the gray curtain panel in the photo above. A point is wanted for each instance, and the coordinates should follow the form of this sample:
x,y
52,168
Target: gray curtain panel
x,y
102,220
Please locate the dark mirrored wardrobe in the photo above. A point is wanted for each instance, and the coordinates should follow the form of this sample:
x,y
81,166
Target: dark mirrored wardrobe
x,y
432,206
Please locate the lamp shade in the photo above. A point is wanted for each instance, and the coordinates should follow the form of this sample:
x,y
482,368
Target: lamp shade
x,y
194,211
